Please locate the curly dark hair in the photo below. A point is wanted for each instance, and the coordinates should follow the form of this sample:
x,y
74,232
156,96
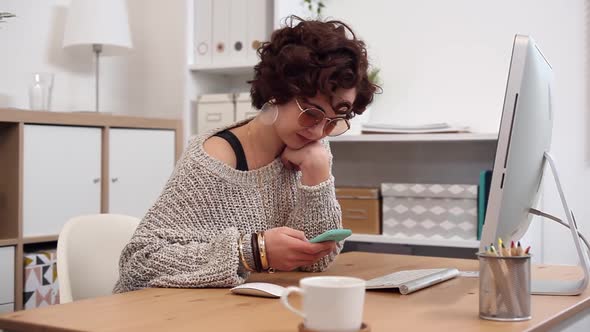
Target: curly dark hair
x,y
310,57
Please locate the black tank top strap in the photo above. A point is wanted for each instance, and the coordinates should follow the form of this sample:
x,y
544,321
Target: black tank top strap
x,y
242,163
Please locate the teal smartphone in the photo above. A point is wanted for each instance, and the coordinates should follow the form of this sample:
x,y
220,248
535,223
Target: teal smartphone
x,y
332,235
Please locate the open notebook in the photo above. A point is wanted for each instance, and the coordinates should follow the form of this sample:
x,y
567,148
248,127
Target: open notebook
x,y
412,280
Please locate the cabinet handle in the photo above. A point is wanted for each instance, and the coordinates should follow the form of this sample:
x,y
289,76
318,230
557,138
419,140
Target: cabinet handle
x,y
355,214
213,117
113,180
96,180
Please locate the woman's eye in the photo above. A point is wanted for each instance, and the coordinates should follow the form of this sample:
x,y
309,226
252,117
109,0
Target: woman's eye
x,y
342,107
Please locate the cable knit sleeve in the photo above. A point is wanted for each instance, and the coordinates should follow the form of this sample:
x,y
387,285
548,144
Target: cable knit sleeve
x,y
316,211
153,259
184,240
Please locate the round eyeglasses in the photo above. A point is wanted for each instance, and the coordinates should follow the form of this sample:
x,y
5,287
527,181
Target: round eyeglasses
x,y
312,116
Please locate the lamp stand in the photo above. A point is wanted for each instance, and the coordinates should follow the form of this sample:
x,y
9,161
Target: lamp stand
x,y
97,48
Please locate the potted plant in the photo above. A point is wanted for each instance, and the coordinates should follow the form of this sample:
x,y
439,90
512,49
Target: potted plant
x,y
315,6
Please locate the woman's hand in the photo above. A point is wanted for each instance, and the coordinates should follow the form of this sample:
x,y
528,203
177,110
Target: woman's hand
x,y
288,249
312,160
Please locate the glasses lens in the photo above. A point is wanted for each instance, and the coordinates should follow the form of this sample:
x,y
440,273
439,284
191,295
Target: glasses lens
x,y
310,117
336,127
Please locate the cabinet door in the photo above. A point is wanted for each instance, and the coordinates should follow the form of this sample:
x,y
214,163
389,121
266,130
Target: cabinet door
x,y
140,163
6,275
61,176
6,308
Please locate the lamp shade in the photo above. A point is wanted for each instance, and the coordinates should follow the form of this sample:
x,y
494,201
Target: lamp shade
x,y
103,22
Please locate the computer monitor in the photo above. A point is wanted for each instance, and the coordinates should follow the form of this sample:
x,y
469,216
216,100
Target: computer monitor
x,y
524,137
521,156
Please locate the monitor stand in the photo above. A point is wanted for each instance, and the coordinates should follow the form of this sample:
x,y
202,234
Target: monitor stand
x,y
563,287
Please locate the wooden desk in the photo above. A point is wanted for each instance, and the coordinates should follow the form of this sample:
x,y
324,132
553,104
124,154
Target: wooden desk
x,y
452,305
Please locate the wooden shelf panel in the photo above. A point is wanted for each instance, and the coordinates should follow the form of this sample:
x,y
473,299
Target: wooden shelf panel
x,y
416,137
396,240
8,242
91,119
10,183
40,239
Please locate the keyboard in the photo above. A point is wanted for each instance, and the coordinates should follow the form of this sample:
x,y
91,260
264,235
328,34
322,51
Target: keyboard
x,y
411,280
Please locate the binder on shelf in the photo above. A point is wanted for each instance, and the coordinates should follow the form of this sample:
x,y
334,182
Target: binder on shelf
x,y
220,26
483,193
238,33
259,19
202,49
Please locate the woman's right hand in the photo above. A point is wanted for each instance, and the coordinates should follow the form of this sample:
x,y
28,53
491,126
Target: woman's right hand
x,y
288,249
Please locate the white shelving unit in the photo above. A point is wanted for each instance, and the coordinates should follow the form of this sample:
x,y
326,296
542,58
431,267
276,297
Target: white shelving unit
x,y
228,76
369,160
415,137
228,69
386,239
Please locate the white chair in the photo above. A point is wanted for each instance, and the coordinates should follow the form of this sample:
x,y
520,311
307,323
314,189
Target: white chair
x,y
88,251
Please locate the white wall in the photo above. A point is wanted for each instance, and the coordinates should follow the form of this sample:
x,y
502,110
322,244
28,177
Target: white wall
x,y
448,61
440,60
149,81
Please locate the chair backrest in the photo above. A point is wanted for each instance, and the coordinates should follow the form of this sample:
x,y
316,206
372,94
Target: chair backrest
x,y
88,251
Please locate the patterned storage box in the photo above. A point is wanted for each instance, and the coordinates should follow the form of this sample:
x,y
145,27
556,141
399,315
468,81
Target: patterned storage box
x,y
430,211
41,284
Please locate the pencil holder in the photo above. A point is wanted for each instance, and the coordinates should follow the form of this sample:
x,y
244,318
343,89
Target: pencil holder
x,y
504,287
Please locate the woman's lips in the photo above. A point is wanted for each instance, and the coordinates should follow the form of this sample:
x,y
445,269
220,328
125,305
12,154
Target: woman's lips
x,y
303,138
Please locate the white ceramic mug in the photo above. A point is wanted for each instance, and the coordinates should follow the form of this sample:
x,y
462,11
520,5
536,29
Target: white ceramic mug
x,y
329,303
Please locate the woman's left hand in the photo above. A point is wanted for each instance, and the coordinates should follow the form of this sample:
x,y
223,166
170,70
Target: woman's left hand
x,y
312,160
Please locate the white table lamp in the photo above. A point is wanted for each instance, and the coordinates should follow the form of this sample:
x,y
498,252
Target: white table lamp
x,y
101,24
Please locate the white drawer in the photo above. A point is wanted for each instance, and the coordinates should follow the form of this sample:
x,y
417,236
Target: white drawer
x,y
6,275
5,308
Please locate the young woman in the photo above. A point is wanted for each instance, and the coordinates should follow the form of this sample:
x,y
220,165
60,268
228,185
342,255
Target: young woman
x,y
248,197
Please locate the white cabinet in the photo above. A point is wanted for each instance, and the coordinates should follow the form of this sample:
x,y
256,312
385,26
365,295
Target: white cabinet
x,y
6,276
62,170
140,163
6,308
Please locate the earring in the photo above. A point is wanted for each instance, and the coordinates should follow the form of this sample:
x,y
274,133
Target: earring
x,y
269,113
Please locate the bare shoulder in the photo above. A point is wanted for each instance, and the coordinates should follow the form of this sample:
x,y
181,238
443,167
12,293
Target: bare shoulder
x,y
219,149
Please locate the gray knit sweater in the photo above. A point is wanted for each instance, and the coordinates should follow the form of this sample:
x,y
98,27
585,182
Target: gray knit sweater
x,y
189,238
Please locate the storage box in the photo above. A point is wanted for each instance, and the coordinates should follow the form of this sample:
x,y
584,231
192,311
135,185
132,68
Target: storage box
x,y
214,111
360,209
430,211
41,284
244,109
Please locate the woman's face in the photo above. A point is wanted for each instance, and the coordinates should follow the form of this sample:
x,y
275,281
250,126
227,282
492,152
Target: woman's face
x,y
296,136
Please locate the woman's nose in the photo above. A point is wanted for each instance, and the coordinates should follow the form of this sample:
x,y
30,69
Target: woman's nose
x,y
318,130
